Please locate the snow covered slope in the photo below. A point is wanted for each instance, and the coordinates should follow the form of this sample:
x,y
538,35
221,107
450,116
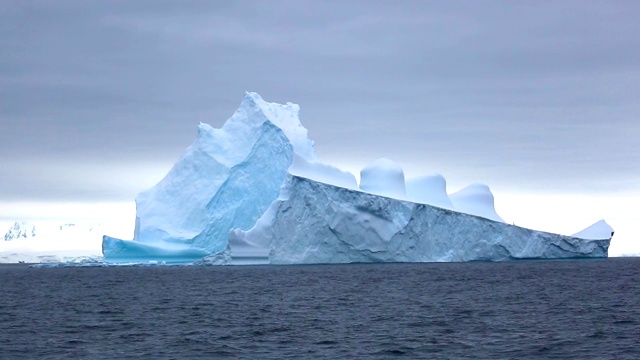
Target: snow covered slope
x,y
431,190
475,199
383,177
597,231
321,223
50,241
20,230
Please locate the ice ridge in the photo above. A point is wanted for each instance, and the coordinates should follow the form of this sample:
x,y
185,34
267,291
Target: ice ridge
x,y
226,179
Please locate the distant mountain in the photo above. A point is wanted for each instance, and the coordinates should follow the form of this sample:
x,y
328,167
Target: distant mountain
x,y
26,230
20,229
58,240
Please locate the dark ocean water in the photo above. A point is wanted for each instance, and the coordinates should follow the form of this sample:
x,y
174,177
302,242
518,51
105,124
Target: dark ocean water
x,y
510,310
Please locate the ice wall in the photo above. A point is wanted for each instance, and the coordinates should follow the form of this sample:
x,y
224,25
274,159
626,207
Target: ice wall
x,y
320,223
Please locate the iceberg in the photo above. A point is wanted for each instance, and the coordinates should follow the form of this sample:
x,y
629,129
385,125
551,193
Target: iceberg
x,y
322,223
254,191
225,180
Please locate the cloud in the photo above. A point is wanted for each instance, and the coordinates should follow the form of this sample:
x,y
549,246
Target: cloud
x,y
65,180
539,95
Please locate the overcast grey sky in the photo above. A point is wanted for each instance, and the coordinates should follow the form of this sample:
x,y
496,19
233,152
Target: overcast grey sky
x,y
99,98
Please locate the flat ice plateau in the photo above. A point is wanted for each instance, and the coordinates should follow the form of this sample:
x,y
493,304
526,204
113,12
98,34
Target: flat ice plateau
x,y
254,191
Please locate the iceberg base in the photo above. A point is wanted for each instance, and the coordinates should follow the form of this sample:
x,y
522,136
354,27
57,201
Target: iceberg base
x,y
122,251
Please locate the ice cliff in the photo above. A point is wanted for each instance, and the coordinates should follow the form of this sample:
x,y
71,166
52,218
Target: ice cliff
x,y
321,223
253,191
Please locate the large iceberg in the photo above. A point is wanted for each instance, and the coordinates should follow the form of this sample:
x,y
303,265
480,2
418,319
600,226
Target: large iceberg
x,y
254,192
322,223
226,179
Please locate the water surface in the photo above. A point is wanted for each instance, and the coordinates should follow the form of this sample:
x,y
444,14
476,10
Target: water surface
x,y
545,309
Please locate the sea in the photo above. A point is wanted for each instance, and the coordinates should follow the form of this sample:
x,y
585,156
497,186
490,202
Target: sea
x,y
479,310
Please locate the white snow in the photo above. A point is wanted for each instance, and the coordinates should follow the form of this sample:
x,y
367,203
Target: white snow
x,y
285,117
323,173
383,177
431,190
597,231
50,241
475,199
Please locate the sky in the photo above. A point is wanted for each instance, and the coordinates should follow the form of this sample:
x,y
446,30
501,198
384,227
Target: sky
x,y
537,99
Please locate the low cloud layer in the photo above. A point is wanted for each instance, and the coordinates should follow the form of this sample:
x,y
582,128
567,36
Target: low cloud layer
x,y
534,95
